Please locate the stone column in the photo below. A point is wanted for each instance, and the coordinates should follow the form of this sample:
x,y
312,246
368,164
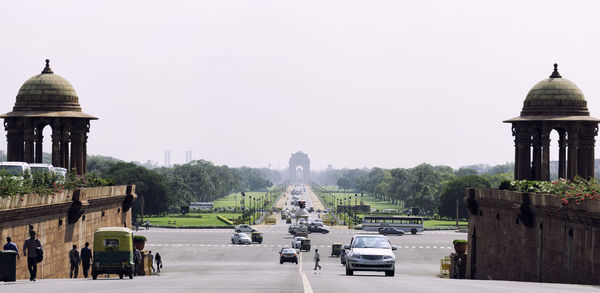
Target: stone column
x,y
522,153
562,154
77,149
64,148
39,140
573,144
536,166
56,138
586,152
545,155
28,138
12,139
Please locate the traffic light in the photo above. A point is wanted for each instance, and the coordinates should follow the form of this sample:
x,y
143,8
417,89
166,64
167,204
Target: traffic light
x,y
302,204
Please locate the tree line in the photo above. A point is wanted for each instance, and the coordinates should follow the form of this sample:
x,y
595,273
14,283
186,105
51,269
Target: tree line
x,y
164,189
433,189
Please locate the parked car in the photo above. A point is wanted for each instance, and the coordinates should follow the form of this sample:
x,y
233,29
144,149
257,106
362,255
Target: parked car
x,y
244,228
241,238
288,255
370,253
296,242
16,169
318,229
390,230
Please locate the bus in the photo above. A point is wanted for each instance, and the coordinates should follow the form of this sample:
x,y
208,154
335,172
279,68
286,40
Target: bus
x,y
407,224
202,206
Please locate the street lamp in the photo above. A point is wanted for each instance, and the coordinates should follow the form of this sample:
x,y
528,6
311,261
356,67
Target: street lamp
x,y
243,207
355,198
250,210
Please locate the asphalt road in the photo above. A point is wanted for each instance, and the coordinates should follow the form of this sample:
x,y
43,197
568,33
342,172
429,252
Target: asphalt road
x,y
198,260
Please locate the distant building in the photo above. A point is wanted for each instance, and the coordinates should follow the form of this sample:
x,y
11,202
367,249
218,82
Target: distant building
x,y
188,156
167,158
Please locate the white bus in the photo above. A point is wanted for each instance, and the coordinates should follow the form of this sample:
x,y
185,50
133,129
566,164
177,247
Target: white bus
x,y
407,224
202,206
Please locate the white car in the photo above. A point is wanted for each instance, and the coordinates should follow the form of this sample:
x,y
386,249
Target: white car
x,y
244,228
41,167
370,253
296,242
16,169
241,238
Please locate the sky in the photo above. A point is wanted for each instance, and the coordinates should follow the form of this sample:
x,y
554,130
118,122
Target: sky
x,y
352,83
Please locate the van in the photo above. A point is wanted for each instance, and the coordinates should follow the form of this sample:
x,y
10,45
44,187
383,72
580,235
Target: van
x,y
16,169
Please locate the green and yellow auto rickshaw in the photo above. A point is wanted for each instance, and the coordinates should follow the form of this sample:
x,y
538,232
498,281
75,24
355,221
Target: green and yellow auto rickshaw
x,y
257,237
336,249
305,244
113,252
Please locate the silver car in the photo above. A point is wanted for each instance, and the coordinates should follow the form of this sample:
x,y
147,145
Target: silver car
x,y
296,242
370,253
244,228
241,238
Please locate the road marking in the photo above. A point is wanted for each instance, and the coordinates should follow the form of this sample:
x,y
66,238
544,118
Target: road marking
x,y
305,282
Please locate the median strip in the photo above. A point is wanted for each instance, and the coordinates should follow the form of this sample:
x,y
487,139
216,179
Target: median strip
x,y
305,282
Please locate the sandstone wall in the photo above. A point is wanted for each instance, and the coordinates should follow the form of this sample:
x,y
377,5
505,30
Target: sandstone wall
x,y
531,237
61,220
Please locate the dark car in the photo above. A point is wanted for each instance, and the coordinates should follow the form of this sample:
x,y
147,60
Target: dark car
x,y
391,230
288,255
317,229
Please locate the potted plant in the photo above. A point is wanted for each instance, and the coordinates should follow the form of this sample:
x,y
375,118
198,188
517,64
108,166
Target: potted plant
x,y
460,246
139,241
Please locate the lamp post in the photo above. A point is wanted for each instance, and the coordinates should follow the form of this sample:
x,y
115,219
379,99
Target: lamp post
x,y
243,207
254,222
355,198
250,210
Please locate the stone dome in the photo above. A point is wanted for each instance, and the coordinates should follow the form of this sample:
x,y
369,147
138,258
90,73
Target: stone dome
x,y
555,96
47,94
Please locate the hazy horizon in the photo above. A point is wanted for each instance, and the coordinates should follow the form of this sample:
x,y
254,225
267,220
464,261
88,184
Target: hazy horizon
x,y
351,83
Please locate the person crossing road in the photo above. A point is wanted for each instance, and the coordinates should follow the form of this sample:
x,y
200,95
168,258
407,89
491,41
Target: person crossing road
x,y
317,258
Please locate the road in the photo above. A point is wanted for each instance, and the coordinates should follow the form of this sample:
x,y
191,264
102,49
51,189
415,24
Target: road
x,y
202,260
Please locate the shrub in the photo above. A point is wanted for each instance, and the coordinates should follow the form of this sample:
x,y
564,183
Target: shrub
x,y
139,238
459,241
225,220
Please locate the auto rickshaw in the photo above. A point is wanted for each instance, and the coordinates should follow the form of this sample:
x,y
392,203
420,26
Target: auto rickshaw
x,y
113,252
305,244
336,249
257,237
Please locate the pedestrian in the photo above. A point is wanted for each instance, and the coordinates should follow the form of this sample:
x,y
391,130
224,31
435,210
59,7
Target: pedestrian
x,y
11,246
75,260
137,224
86,257
137,258
150,262
147,224
30,250
317,258
331,222
158,261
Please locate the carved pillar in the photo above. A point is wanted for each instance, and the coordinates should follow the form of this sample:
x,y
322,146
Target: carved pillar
x,y
536,166
14,139
545,175
573,144
84,154
586,152
64,148
28,138
56,138
77,150
562,154
39,141
522,152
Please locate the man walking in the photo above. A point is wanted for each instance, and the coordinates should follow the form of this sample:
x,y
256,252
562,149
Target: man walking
x,y
147,224
137,258
30,250
75,259
86,257
10,246
150,262
317,258
158,261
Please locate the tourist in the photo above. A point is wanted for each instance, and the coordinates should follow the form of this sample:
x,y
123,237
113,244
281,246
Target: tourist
x,y
75,260
86,257
150,262
30,250
137,258
11,246
147,224
158,261
317,258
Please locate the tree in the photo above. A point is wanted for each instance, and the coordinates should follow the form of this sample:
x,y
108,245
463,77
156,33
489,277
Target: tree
x,y
454,190
149,185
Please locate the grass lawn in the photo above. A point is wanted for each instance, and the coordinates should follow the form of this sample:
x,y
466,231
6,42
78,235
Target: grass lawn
x,y
372,201
233,200
440,223
191,219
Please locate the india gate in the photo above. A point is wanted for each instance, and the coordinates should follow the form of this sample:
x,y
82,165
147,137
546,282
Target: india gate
x,y
299,170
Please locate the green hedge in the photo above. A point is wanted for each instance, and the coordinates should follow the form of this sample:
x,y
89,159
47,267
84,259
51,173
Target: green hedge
x,y
224,220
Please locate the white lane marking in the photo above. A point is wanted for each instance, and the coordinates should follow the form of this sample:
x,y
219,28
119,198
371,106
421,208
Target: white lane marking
x,y
305,282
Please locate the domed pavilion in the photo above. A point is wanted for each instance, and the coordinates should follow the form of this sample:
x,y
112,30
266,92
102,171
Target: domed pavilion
x,y
557,104
47,99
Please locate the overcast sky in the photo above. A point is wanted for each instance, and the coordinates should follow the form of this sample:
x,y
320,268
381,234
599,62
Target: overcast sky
x,y
351,83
